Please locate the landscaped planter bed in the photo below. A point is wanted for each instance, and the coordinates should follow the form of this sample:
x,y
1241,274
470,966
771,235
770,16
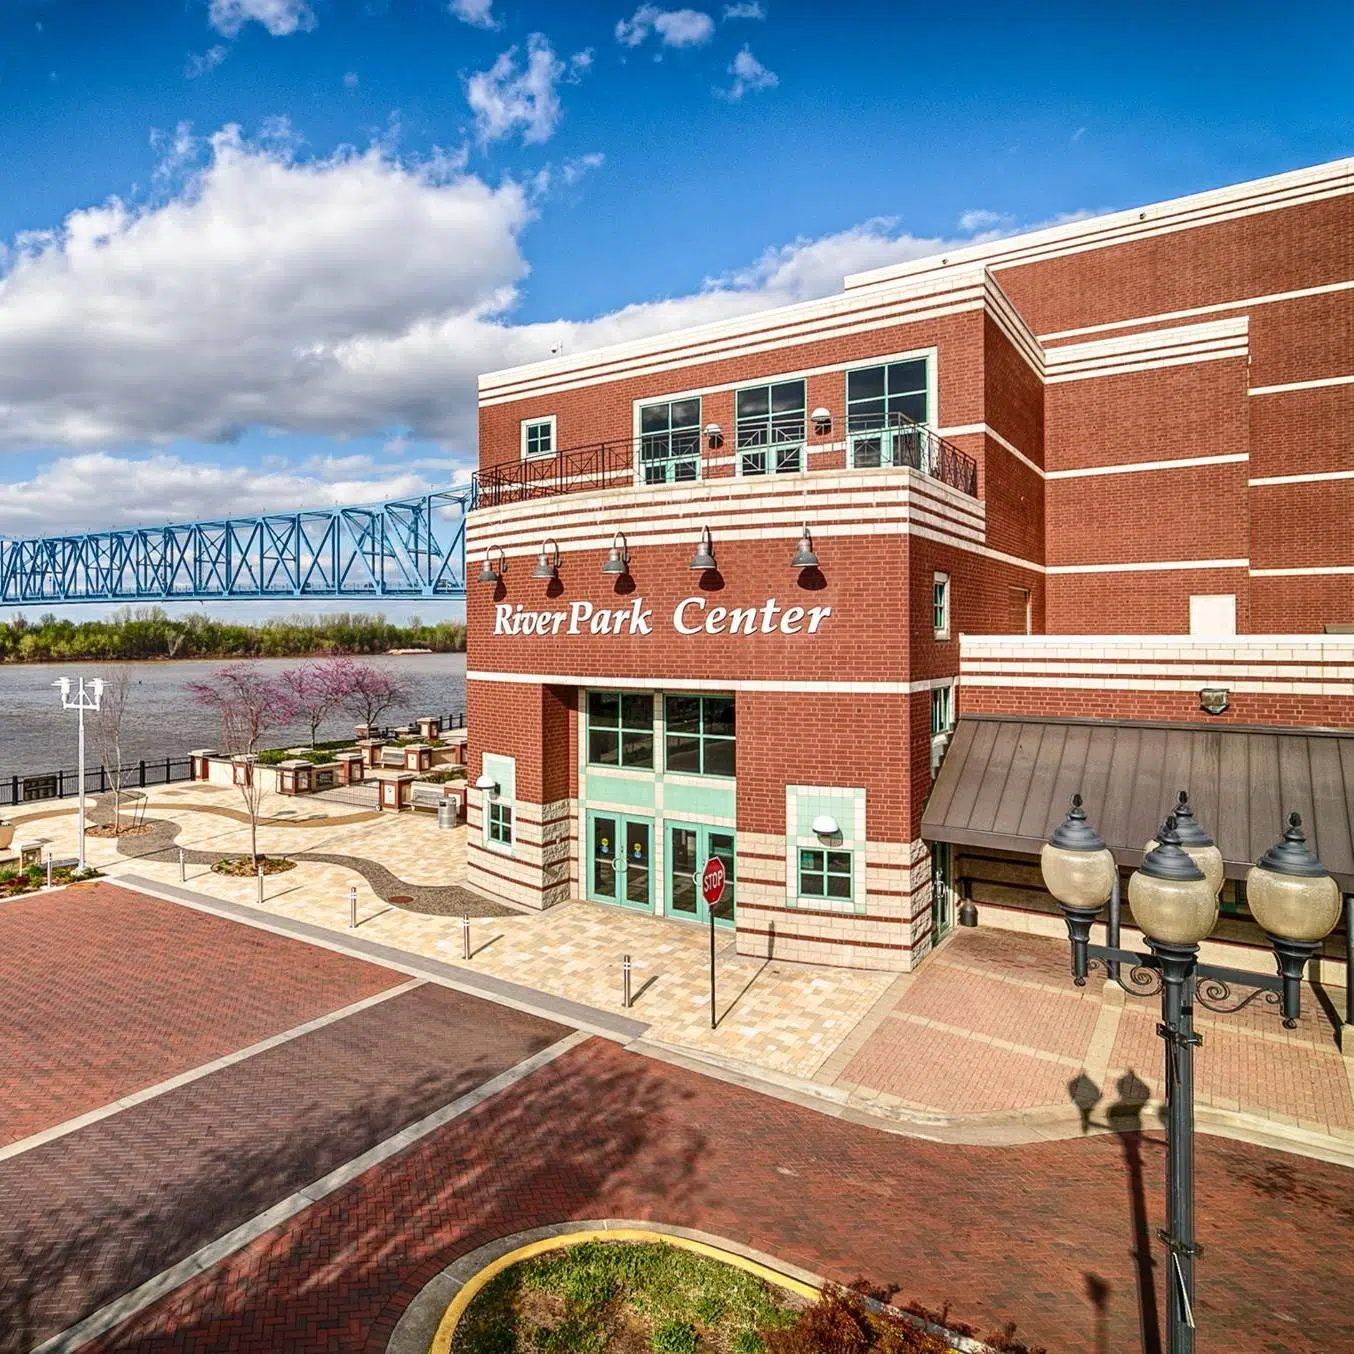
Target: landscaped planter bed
x,y
622,1298
245,867
14,882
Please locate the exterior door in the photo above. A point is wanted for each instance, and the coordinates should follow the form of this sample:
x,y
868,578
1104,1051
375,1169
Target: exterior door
x,y
620,860
942,891
1020,611
690,845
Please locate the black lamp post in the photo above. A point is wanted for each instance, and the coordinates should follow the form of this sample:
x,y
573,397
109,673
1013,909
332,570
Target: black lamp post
x,y
1174,901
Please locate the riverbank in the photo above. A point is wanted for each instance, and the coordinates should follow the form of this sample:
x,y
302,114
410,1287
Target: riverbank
x,y
162,719
149,634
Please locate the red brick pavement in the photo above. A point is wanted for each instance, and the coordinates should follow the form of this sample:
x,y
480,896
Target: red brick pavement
x,y
1002,1234
92,1214
108,991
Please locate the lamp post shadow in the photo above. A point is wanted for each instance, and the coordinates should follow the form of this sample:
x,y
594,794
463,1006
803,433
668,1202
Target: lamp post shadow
x,y
1124,1119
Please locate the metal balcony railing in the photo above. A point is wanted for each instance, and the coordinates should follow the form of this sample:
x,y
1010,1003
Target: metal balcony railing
x,y
873,441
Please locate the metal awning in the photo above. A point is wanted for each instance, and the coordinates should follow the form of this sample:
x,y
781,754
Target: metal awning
x,y
1006,781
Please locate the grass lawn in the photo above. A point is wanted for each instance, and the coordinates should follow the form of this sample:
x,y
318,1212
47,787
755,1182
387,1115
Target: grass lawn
x,y
623,1298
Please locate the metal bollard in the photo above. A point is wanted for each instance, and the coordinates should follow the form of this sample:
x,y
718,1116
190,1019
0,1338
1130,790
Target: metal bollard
x,y
465,936
49,869
352,907
625,982
183,866
260,883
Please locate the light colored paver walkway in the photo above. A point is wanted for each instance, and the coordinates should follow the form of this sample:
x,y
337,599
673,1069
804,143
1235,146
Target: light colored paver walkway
x,y
788,1018
990,1026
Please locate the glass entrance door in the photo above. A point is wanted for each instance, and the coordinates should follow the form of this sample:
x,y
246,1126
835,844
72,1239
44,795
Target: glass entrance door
x,y
690,845
620,860
942,892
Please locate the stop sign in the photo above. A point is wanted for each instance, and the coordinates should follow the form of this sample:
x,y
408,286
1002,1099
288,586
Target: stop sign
x,y
712,881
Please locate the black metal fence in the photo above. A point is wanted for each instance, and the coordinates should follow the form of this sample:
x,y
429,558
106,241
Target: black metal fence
x,y
136,776
64,784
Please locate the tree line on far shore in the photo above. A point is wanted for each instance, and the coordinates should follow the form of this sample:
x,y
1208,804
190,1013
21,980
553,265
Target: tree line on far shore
x,y
148,632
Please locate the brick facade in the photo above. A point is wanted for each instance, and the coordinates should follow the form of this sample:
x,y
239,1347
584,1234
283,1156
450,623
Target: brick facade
x,y
1072,370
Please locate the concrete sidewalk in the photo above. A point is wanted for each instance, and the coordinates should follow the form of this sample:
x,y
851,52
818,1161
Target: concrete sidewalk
x,y
988,1041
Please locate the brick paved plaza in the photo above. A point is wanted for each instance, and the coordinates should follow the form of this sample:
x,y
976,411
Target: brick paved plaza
x,y
110,992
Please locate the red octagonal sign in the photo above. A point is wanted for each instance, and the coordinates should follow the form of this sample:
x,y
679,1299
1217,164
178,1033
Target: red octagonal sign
x,y
712,881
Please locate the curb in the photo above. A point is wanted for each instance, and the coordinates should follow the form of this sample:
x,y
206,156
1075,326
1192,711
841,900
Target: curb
x,y
429,1322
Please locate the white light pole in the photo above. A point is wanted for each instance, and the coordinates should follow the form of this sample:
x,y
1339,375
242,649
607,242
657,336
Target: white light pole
x,y
84,700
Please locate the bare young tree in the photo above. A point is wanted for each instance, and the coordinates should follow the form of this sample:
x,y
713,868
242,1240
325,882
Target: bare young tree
x,y
248,705
371,691
317,690
108,737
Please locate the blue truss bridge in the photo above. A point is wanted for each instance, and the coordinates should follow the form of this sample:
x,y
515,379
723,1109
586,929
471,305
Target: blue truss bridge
x,y
406,548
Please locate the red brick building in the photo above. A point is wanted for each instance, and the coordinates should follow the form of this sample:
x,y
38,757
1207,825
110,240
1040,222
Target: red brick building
x,y
1076,476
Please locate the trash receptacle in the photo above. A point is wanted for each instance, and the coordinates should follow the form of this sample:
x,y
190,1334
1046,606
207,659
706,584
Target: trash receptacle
x,y
446,813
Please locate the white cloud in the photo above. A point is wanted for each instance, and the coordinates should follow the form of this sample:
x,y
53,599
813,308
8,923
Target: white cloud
x,y
94,489
350,80
202,62
980,219
348,295
280,17
748,10
506,99
675,27
749,75
478,13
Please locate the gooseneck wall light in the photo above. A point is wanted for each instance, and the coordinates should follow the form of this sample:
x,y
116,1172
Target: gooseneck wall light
x,y
1174,901
488,574
617,562
547,562
804,557
704,558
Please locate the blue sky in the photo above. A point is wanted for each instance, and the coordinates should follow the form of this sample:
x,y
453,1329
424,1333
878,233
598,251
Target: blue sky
x,y
258,249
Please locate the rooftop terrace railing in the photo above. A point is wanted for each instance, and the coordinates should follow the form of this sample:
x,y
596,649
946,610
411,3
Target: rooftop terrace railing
x,y
872,441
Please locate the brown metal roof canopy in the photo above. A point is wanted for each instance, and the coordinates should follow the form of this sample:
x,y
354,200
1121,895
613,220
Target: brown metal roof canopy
x,y
1006,782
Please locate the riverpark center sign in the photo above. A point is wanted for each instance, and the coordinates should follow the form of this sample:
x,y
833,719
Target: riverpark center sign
x,y
691,616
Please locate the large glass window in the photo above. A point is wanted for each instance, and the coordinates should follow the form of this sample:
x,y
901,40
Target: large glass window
x,y
620,729
883,406
700,734
825,874
770,428
670,441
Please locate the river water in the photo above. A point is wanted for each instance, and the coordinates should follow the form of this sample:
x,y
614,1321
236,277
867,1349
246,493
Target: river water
x,y
162,719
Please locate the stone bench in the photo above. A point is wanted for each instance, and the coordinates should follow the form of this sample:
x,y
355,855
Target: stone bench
x,y
425,795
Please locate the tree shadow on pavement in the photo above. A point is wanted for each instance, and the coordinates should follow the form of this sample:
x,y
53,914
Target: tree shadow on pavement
x,y
569,1136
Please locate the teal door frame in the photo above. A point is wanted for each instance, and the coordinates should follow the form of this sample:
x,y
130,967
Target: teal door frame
x,y
620,873
682,896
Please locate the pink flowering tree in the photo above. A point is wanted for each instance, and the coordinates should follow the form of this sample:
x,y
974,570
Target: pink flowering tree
x,y
318,690
249,705
371,691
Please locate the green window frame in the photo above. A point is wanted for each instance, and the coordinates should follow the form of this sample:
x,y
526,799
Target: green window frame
x,y
883,405
770,427
942,710
620,729
826,874
670,441
700,735
499,820
940,605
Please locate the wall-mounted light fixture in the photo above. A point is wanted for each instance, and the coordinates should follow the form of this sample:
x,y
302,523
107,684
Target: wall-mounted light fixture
x,y
617,563
822,421
489,574
804,557
714,434
704,558
825,825
547,562
488,784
